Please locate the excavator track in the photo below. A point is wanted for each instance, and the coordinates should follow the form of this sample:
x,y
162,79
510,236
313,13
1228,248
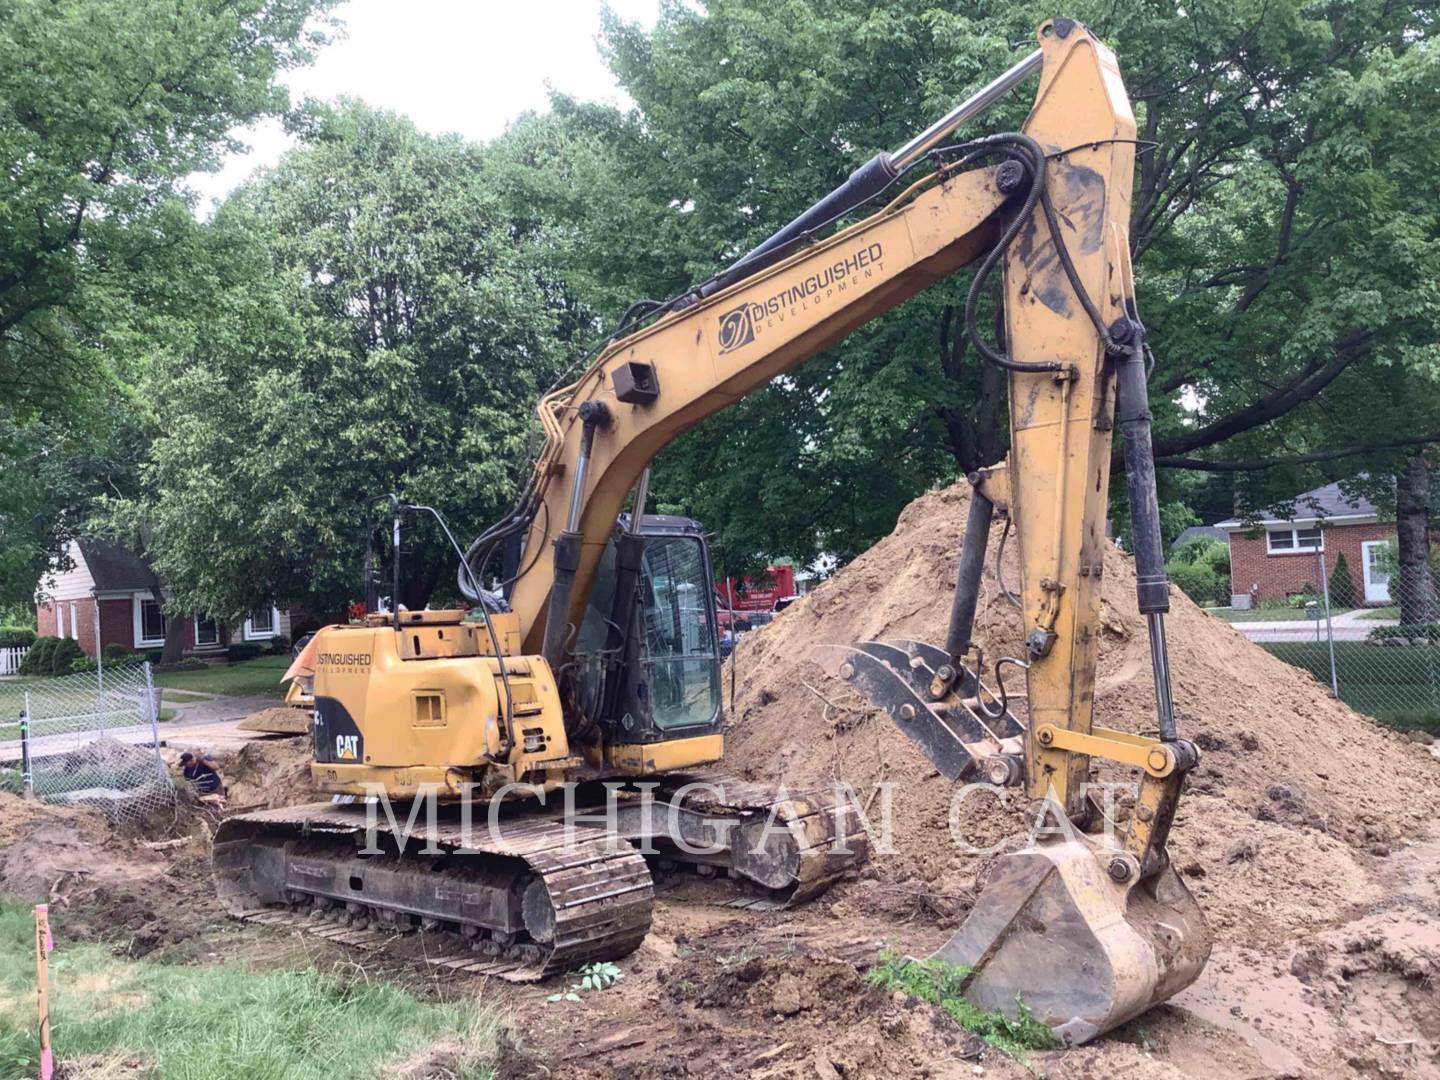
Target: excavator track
x,y
533,898
816,834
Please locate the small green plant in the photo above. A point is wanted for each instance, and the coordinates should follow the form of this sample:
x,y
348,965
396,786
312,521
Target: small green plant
x,y
593,977
1342,585
942,984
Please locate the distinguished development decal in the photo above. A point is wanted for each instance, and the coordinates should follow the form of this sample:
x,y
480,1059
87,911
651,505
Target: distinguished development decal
x,y
741,325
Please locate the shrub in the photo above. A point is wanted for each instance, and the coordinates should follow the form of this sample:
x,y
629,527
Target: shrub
x,y
115,653
1342,585
243,651
1415,634
64,655
280,644
1201,570
37,660
16,637
84,663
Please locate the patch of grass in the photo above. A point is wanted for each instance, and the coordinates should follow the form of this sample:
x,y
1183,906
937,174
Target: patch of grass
x,y
181,697
1390,612
224,1021
259,678
942,984
1399,685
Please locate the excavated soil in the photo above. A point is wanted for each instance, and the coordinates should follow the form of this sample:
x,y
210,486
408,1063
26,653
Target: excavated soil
x,y
1306,835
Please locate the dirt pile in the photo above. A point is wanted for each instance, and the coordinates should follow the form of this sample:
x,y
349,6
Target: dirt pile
x,y
1295,792
102,882
267,773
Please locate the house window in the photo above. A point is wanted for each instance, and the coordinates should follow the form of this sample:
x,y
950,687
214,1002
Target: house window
x,y
207,631
1291,541
262,624
74,623
149,622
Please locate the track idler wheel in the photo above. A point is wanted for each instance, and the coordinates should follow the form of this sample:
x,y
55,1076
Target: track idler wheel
x,y
1053,929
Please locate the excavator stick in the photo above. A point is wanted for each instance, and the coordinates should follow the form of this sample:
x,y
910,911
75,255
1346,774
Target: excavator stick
x,y
1081,932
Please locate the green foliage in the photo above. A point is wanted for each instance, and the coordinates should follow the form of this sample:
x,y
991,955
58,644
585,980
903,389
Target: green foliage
x,y
1403,634
1201,570
1342,585
108,108
942,984
600,975
82,664
1283,235
18,613
37,661
115,653
227,1020
243,650
377,326
16,637
63,656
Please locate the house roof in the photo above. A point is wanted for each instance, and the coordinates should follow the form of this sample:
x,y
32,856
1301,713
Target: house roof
x,y
115,568
1200,532
1327,503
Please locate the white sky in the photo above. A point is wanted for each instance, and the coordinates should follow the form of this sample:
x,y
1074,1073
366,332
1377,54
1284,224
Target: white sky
x,y
468,66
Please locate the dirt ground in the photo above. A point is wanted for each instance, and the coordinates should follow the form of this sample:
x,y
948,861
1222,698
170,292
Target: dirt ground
x,y
1306,835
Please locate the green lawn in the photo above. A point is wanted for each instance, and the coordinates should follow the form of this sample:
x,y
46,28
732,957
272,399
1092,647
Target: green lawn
x,y
250,677
1398,685
180,697
225,1021
1390,612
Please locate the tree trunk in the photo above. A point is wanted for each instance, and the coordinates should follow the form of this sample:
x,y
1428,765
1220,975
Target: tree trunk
x,y
1416,588
174,646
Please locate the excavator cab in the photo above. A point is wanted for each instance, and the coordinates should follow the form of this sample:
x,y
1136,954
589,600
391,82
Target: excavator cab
x,y
660,680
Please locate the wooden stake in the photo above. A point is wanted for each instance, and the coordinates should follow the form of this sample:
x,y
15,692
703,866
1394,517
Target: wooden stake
x,y
44,943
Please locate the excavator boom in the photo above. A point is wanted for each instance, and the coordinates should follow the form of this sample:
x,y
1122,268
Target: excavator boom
x,y
1049,207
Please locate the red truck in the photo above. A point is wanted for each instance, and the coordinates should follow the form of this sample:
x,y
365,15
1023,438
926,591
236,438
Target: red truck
x,y
752,594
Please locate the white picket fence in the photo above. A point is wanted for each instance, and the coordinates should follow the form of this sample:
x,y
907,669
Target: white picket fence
x,y
11,659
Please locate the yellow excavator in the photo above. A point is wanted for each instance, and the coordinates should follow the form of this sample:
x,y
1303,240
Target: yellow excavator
x,y
594,679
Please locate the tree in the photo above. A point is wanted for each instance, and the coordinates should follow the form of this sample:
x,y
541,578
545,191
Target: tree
x,y
107,108
1414,588
379,325
1342,584
1282,231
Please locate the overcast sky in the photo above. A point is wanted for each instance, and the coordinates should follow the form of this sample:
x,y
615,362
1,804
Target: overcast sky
x,y
450,65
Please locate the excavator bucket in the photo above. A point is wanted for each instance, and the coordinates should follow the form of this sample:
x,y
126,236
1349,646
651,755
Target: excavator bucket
x,y
1053,935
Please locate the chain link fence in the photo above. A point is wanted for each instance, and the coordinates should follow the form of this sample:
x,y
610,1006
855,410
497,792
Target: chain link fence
x,y
90,738
1374,639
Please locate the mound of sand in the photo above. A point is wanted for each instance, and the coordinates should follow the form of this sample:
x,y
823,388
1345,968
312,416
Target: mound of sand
x,y
1294,794
268,773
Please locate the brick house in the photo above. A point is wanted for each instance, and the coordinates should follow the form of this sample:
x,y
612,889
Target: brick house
x,y
1276,556
110,590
